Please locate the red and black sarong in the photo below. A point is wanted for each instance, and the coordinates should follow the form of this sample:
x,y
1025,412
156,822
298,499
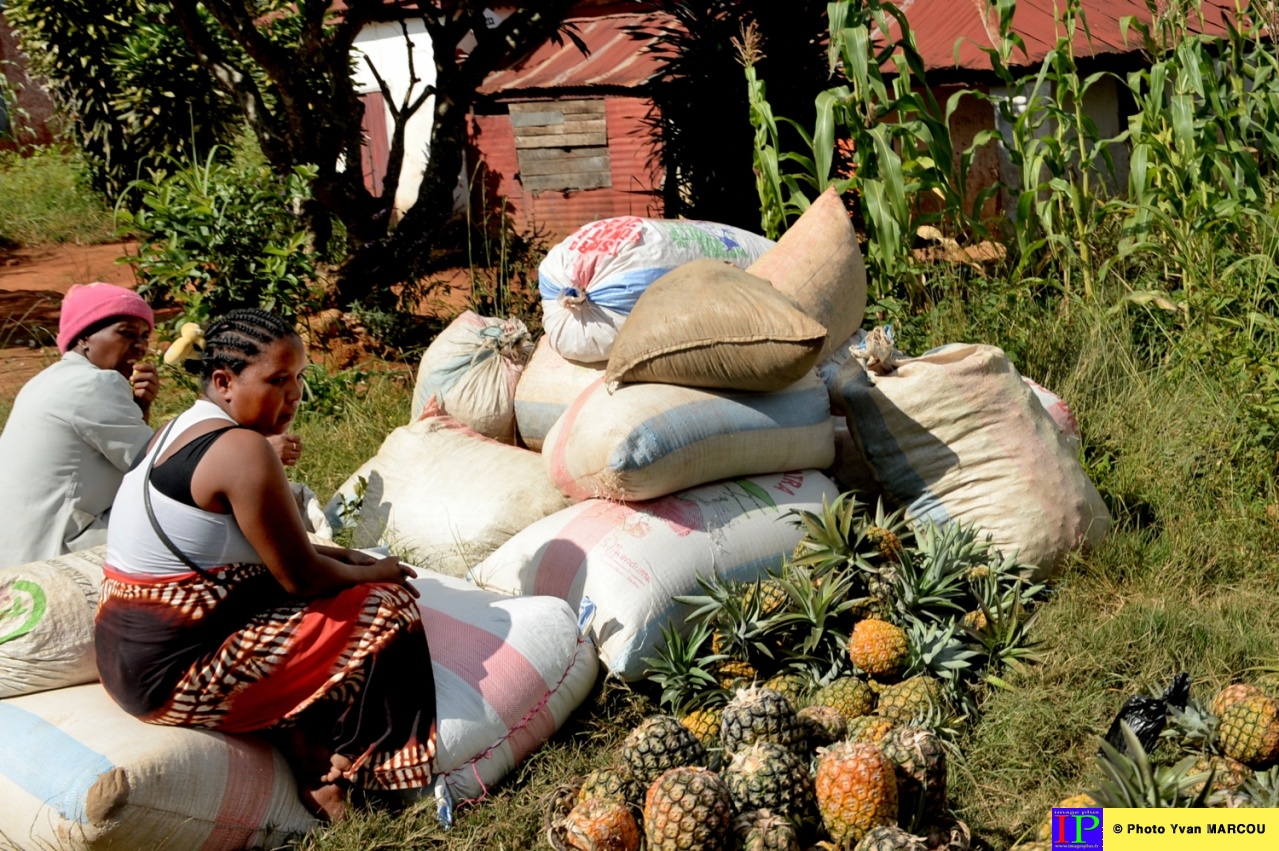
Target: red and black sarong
x,y
352,669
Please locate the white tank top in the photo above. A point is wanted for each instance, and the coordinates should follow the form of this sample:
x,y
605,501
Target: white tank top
x,y
207,538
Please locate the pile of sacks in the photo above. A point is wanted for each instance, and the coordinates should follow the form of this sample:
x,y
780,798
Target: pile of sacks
x,y
679,409
77,772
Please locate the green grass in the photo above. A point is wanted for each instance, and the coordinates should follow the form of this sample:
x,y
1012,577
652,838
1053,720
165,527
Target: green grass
x,y
44,198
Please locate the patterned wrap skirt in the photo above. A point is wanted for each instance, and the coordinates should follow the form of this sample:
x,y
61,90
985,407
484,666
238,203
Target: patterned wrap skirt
x,y
351,670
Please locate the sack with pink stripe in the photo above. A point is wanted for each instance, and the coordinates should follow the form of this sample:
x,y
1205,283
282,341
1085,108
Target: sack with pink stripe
x,y
76,771
508,672
630,559
957,435
548,386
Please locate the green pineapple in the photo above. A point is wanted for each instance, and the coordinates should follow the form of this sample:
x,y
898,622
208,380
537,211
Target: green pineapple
x,y
705,724
768,776
613,783
760,715
688,809
851,696
793,686
911,698
823,725
870,729
919,760
761,830
890,837
658,744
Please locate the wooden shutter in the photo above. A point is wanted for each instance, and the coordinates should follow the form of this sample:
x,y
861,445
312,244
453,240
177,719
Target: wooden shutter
x,y
562,145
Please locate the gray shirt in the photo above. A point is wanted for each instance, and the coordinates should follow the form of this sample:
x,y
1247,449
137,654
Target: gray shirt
x,y
73,432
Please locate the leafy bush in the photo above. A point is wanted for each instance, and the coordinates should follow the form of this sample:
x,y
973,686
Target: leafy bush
x,y
216,237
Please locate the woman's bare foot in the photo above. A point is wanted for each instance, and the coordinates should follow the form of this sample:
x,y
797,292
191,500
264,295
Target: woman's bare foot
x,y
327,802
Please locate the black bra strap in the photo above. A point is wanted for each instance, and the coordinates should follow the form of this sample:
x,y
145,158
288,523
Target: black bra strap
x,y
155,524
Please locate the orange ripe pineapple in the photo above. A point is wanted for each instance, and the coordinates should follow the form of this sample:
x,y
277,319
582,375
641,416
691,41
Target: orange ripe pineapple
x,y
878,647
856,791
601,824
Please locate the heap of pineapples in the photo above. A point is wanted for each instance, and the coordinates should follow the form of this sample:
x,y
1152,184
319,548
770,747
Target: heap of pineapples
x,y
1221,754
819,704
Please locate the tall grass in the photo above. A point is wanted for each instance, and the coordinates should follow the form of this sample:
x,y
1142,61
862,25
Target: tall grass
x,y
45,198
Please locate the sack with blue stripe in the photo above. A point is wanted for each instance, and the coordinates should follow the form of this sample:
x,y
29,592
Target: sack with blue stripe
x,y
471,369
649,440
591,280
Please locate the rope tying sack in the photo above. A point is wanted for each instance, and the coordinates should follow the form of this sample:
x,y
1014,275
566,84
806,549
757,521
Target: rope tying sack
x,y
879,356
572,298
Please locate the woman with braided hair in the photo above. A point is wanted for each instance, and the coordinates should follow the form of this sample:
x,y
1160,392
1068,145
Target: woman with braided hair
x,y
218,612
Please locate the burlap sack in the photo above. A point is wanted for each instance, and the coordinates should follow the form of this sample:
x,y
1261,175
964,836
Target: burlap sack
x,y
818,263
709,324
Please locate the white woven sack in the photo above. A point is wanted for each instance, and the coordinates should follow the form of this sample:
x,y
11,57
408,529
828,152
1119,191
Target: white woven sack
x,y
471,369
440,495
590,281
46,622
1058,410
78,772
548,386
649,440
956,435
631,558
508,672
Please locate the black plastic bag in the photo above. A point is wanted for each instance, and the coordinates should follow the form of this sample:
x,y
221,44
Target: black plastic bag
x,y
1146,715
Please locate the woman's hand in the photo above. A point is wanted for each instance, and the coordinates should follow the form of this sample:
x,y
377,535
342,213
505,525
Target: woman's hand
x,y
145,381
287,446
391,569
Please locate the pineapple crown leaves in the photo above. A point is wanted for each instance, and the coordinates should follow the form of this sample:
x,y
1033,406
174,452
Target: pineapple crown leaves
x,y
937,650
927,588
1005,640
682,671
735,615
807,632
826,542
1193,728
1262,788
1131,780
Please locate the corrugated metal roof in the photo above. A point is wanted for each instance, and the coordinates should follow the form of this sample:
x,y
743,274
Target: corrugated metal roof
x,y
939,24
616,58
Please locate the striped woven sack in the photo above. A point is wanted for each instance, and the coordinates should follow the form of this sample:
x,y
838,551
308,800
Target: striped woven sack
x,y
548,386
649,440
629,559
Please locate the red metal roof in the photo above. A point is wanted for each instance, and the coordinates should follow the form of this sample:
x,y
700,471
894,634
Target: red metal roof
x,y
939,24
616,58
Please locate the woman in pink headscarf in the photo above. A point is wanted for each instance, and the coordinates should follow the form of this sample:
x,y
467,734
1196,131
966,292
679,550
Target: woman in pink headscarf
x,y
76,427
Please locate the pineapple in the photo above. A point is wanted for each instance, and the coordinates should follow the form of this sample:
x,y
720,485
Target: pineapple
x,y
1130,780
1228,775
792,686
1249,731
688,809
878,647
760,715
760,830
1230,695
769,593
856,791
601,824
912,698
886,542
869,729
975,620
823,725
891,838
660,743
733,674
734,615
683,668
768,776
704,724
851,696
920,764
614,783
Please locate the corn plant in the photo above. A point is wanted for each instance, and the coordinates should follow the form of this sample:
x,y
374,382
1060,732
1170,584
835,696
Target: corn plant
x,y
901,166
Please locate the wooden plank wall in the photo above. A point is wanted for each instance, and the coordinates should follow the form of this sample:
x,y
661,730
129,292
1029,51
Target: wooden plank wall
x,y
562,145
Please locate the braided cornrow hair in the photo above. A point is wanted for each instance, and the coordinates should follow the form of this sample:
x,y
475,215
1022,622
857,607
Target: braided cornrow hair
x,y
237,340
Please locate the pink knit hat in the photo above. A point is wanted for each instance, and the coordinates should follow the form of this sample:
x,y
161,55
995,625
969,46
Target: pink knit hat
x,y
85,305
